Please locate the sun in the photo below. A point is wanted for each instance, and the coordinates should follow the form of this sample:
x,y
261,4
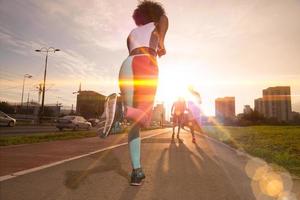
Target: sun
x,y
174,83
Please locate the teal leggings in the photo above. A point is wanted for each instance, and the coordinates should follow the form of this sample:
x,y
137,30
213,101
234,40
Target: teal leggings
x,y
138,81
134,142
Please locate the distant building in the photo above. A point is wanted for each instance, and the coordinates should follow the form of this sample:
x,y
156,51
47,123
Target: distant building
x,y
247,109
259,105
225,108
158,114
89,104
275,103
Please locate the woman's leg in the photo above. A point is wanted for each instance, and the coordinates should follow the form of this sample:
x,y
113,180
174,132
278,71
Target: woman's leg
x,y
127,87
138,82
180,118
126,83
145,72
192,125
134,142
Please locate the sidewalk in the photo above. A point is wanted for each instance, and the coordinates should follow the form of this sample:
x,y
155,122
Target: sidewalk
x,y
22,157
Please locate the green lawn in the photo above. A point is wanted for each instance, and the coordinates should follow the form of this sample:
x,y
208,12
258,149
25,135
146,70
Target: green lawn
x,y
6,140
45,137
275,144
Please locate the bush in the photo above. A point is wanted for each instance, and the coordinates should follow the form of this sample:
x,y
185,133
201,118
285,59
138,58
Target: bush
x,y
7,108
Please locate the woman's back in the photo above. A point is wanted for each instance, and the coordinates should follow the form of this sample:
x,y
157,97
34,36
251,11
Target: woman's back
x,y
143,36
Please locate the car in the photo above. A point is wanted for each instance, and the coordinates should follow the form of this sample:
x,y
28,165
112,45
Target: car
x,y
73,122
94,121
7,120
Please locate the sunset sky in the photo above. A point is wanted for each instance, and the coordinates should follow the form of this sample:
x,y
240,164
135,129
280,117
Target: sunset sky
x,y
222,48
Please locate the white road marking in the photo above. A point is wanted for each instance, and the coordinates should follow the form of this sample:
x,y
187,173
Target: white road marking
x,y
27,171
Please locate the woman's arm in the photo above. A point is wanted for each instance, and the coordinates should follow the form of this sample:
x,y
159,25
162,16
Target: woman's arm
x,y
128,44
162,28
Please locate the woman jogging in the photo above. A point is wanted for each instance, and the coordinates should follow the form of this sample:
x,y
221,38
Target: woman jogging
x,y
138,76
194,112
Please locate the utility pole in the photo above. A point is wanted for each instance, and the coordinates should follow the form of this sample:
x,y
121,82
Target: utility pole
x,y
47,51
72,111
44,84
58,105
40,90
78,93
25,76
27,103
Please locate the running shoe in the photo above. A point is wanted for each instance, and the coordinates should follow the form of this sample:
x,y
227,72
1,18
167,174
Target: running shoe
x,y
137,176
109,115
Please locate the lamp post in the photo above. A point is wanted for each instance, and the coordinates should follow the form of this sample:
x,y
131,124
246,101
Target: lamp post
x,y
46,51
25,76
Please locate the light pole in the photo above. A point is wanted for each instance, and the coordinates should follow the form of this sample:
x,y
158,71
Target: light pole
x,y
58,106
47,51
25,76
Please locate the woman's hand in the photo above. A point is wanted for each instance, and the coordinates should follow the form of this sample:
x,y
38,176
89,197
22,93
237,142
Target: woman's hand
x,y
161,52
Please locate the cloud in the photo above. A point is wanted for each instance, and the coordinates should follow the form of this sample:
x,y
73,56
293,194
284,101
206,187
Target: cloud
x,y
100,23
68,61
16,44
226,41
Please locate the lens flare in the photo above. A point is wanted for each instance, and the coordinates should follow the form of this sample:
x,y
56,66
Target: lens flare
x,y
268,183
256,168
287,196
271,184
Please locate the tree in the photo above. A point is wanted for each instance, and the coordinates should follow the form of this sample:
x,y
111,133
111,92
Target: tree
x,y
6,107
251,118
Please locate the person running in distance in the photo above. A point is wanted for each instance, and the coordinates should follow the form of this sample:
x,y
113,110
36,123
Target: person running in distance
x,y
138,76
177,112
194,112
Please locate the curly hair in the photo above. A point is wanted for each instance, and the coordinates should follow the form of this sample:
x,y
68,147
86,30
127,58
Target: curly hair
x,y
147,11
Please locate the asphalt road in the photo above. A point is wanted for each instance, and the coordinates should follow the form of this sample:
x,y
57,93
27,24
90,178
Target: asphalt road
x,y
175,169
22,130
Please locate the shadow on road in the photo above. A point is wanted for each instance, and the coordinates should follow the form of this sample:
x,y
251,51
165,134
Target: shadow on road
x,y
185,174
183,170
103,163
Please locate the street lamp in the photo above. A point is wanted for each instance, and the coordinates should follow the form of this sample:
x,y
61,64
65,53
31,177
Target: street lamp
x,y
46,51
25,76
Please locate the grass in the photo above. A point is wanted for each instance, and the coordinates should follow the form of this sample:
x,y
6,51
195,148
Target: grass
x,y
7,140
46,137
278,145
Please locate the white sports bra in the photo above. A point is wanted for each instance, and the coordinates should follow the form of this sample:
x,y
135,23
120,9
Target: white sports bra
x,y
143,36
